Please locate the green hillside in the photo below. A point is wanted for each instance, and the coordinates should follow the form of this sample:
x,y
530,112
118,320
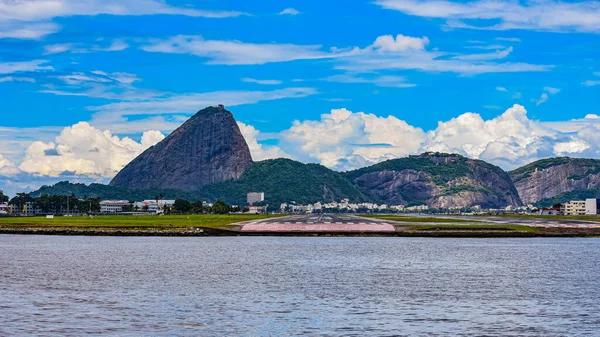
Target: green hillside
x,y
285,180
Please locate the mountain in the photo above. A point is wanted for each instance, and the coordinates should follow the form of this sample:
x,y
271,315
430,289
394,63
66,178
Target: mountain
x,y
557,179
207,149
437,180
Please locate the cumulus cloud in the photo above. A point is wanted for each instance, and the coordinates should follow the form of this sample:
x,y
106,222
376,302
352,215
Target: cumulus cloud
x,y
259,151
400,43
544,96
550,15
543,99
85,150
7,168
343,139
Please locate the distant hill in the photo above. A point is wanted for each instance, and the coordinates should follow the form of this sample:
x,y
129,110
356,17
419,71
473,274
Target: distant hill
x,y
439,180
557,179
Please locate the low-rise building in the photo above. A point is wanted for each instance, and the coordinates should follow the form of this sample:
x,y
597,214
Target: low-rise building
x,y
3,208
113,206
549,211
574,207
257,209
592,206
153,205
255,197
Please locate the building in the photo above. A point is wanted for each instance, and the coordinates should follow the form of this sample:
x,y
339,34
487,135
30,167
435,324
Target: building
x,y
257,209
255,197
574,207
592,206
153,205
549,211
3,209
113,206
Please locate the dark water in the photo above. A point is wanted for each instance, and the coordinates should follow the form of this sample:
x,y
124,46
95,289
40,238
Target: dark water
x,y
78,286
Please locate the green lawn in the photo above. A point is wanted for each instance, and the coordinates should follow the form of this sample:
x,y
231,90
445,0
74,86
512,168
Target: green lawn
x,y
147,222
595,218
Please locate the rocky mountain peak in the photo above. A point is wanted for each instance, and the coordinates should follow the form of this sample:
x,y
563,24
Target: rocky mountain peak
x,y
208,148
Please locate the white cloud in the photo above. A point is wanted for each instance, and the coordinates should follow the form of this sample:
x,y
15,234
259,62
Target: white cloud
x,y
32,19
236,52
259,151
508,39
502,89
16,79
409,53
85,150
380,81
25,66
543,99
544,96
115,45
590,83
343,139
498,54
290,11
263,82
7,168
387,43
547,15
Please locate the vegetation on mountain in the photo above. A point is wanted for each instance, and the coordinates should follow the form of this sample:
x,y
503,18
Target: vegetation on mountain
x,y
285,180
441,171
567,196
525,172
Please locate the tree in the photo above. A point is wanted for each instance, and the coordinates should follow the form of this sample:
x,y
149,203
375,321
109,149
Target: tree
x,y
182,205
559,205
128,208
3,198
145,208
220,207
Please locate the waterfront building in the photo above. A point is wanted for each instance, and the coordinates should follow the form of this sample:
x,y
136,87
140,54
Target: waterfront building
x,y
3,209
574,207
153,205
113,206
592,206
255,197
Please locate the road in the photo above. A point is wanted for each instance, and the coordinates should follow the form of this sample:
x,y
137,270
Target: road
x,y
319,223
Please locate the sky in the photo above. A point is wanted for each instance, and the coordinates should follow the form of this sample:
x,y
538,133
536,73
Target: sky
x,y
87,85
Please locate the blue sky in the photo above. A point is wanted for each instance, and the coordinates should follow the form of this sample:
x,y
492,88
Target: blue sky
x,y
87,85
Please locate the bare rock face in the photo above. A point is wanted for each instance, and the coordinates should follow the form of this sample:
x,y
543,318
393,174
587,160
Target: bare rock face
x,y
438,180
207,149
548,178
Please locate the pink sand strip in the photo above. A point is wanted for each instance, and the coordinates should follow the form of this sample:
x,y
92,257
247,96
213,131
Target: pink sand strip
x,y
317,228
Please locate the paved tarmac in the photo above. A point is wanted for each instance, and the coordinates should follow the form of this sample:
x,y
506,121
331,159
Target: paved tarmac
x,y
319,223
524,221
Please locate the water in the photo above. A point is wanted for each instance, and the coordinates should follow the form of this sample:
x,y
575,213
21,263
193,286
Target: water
x,y
71,286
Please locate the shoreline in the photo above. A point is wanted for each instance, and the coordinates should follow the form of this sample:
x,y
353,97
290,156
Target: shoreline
x,y
214,232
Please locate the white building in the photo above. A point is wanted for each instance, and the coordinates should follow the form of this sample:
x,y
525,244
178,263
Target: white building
x,y
3,209
113,206
575,207
153,205
592,206
255,197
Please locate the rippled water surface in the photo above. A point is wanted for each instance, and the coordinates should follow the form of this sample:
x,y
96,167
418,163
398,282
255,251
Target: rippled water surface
x,y
52,285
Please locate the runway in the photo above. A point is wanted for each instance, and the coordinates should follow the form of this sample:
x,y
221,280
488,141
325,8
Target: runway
x,y
334,223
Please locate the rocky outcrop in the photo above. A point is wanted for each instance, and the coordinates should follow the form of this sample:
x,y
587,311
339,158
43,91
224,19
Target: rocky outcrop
x,y
207,149
439,181
548,178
